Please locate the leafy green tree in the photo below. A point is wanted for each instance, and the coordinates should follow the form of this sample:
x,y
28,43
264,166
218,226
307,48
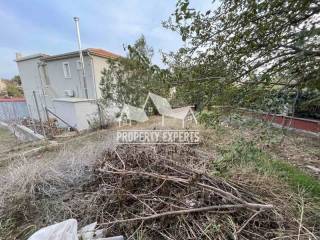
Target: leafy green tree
x,y
195,83
265,46
308,104
16,79
129,79
13,90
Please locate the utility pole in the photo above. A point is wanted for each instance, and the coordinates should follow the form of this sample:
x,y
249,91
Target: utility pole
x,y
76,19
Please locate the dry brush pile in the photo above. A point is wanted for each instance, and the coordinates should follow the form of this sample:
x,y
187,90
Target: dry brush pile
x,y
50,127
154,193
142,192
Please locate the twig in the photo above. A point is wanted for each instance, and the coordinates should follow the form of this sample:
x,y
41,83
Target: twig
x,y
218,191
123,164
301,218
307,230
192,210
247,222
290,236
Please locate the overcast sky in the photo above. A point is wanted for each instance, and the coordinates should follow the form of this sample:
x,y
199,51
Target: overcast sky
x,y
47,26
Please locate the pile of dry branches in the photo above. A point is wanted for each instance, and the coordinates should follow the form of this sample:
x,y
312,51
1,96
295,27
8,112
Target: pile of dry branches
x,y
49,127
153,193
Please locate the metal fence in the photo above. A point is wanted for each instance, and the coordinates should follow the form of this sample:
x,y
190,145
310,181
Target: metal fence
x,y
13,109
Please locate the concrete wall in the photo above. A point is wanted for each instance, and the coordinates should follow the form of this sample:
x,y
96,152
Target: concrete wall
x,y
30,79
58,82
49,81
99,64
76,112
21,132
52,83
112,109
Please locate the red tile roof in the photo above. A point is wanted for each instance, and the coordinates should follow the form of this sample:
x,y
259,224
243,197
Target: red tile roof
x,y
103,53
93,51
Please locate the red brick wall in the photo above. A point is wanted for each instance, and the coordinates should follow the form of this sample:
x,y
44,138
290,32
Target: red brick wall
x,y
298,123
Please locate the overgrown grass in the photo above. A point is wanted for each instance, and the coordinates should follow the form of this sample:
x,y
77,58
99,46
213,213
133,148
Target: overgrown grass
x,y
32,189
243,153
7,139
296,177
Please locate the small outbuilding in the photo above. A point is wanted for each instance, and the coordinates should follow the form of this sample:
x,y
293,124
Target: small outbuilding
x,y
185,114
130,113
157,105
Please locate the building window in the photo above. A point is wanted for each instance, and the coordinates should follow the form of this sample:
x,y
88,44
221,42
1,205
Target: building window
x,y
66,70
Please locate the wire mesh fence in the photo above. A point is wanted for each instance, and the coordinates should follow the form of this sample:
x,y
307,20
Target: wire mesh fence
x,y
13,110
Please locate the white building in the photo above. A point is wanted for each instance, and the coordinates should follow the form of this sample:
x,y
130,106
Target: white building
x,y
53,80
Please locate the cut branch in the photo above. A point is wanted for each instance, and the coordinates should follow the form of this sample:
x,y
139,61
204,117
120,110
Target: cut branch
x,y
193,210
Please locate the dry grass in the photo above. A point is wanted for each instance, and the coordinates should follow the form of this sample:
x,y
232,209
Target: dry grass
x,y
46,176
7,139
51,186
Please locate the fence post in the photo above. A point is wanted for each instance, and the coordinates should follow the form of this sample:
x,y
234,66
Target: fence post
x,y
39,115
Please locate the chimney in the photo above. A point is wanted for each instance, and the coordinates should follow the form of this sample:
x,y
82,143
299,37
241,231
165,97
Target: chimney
x,y
18,56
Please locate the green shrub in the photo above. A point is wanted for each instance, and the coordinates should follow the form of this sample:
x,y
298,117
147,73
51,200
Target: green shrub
x,y
14,91
209,119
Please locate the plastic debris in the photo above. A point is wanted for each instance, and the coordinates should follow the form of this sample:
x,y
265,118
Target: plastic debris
x,y
67,230
64,230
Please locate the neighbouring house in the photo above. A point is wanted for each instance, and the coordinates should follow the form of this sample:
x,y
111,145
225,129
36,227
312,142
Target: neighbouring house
x,y
157,105
56,82
4,83
130,113
3,86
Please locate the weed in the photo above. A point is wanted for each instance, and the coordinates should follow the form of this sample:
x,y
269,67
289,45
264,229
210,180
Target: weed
x,y
209,119
213,228
7,226
246,153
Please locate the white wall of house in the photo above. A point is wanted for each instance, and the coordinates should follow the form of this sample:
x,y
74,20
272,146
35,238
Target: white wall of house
x,y
50,80
94,66
59,82
30,79
76,112
99,64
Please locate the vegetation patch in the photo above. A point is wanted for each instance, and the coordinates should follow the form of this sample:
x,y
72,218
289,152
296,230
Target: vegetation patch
x,y
246,153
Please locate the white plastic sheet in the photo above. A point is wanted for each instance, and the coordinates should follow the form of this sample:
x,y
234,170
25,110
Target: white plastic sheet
x,y
88,232
66,230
